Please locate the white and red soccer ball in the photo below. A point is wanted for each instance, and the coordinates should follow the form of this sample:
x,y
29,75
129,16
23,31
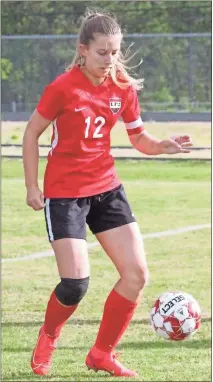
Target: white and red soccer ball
x,y
175,316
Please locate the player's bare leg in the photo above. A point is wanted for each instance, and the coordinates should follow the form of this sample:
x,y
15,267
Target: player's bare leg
x,y
72,258
73,266
124,246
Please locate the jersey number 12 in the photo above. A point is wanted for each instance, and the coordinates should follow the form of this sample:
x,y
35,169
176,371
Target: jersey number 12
x,y
99,121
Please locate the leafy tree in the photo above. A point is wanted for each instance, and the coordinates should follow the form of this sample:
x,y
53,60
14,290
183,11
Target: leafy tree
x,y
175,70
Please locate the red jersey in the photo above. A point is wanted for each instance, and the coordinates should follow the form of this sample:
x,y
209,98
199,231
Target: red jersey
x,y
80,163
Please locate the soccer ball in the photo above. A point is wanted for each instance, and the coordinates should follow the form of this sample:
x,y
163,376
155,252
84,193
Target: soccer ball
x,y
175,316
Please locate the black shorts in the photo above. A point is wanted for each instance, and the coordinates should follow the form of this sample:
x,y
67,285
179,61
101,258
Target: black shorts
x,y
67,217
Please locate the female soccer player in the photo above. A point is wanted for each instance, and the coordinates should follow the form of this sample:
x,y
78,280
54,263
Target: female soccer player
x,y
81,186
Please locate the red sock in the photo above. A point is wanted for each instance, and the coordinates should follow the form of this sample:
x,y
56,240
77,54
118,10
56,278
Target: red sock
x,y
118,312
56,316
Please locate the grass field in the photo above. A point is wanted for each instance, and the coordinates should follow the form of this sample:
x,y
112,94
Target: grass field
x,y
12,132
163,196
200,132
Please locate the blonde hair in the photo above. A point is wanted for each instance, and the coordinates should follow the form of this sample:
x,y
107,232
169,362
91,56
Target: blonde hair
x,y
96,22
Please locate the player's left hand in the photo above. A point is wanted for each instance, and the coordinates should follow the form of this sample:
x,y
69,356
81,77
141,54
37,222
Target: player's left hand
x,y
175,145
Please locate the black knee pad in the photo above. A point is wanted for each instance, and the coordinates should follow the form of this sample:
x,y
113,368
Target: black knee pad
x,y
71,291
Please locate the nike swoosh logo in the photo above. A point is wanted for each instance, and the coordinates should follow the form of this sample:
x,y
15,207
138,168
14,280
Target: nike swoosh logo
x,y
82,108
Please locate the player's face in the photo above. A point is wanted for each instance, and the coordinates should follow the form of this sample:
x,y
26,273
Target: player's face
x,y
101,54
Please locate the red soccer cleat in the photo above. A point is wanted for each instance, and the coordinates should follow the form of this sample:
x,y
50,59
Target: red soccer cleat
x,y
107,362
42,353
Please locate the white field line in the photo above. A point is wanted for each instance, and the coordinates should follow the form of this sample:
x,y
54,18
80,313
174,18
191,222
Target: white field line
x,y
170,232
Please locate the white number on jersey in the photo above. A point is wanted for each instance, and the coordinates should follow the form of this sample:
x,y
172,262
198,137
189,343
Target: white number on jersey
x,y
97,133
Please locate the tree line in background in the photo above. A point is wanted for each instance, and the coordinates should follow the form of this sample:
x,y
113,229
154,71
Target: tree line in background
x,y
64,17
176,71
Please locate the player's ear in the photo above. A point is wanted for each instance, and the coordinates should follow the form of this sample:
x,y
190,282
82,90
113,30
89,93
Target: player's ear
x,y
82,49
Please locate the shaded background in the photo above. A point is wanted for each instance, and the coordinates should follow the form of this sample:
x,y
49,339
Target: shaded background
x,y
173,38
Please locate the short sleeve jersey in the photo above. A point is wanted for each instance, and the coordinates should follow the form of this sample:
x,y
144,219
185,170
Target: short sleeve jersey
x,y
79,162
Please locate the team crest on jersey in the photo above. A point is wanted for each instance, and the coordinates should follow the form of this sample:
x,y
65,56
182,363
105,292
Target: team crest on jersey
x,y
115,104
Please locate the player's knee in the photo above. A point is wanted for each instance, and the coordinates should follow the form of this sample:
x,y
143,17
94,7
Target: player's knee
x,y
71,291
144,276
137,278
140,278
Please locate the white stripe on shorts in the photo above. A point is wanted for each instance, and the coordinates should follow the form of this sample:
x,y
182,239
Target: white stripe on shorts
x,y
49,224
133,125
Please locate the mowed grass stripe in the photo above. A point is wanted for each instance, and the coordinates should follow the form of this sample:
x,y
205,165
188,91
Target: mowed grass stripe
x,y
175,171
153,358
90,246
200,132
180,204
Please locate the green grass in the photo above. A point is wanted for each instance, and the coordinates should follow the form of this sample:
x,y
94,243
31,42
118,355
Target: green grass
x,y
130,170
163,196
200,132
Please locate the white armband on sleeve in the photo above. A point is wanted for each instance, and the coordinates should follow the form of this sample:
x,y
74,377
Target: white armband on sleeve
x,y
133,125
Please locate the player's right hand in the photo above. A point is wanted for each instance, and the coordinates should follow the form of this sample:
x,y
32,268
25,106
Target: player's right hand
x,y
35,198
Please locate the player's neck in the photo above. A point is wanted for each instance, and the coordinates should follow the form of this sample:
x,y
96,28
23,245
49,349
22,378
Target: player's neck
x,y
94,80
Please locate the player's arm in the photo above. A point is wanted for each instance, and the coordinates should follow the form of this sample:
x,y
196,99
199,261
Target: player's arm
x,y
35,127
141,140
147,144
48,108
